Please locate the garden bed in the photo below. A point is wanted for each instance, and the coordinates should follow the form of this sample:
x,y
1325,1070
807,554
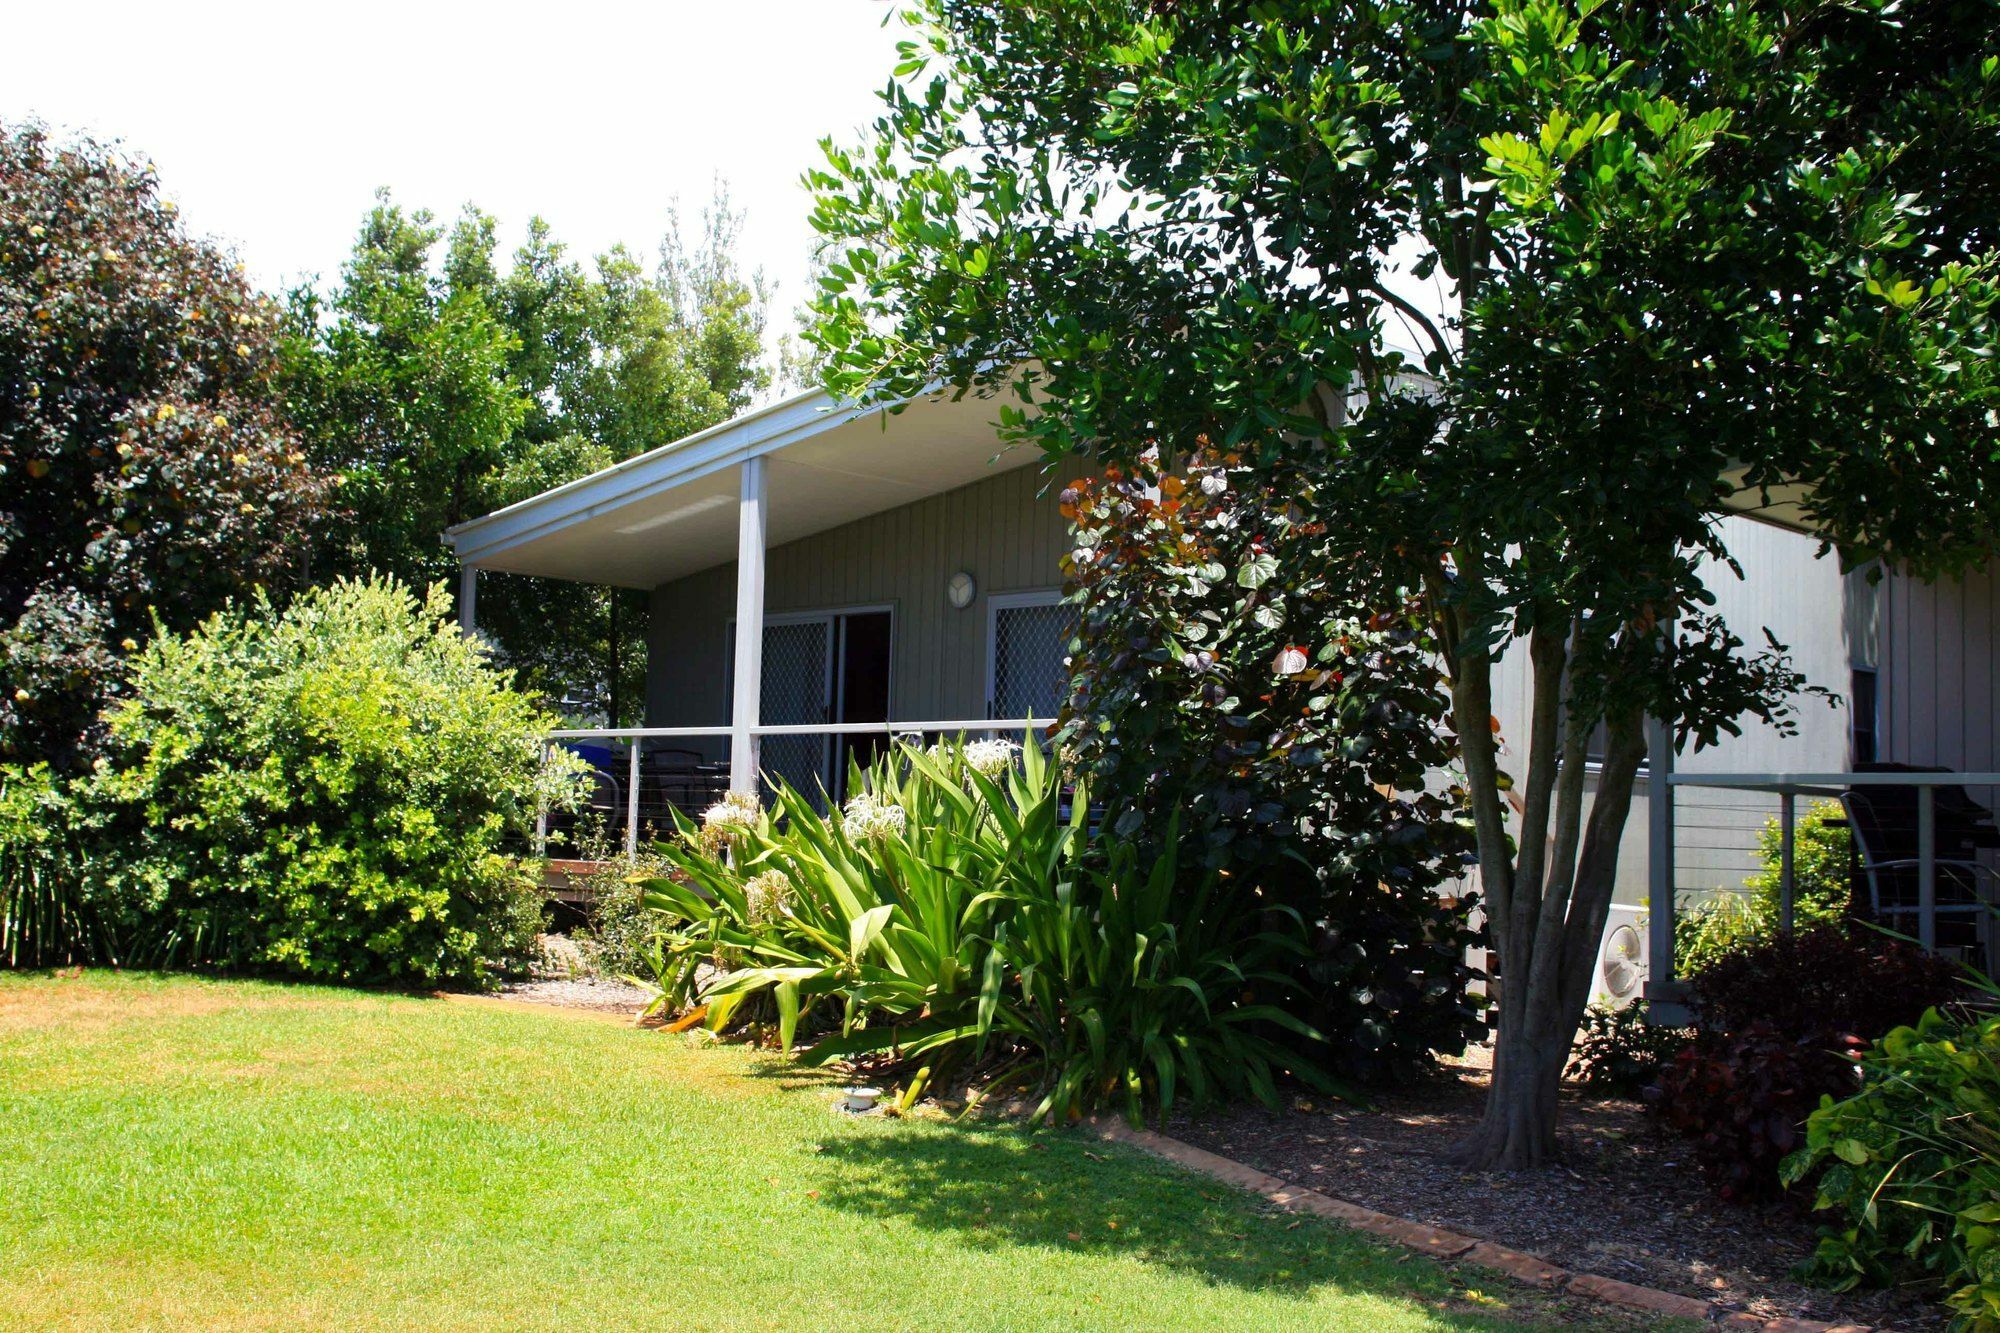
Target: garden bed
x,y
1628,1203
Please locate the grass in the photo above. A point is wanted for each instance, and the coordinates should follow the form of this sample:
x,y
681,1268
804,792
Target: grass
x,y
228,1154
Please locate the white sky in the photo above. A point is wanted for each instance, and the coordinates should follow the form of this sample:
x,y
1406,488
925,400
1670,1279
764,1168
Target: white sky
x,y
273,123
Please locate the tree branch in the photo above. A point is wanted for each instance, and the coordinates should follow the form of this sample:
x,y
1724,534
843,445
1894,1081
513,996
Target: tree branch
x,y
1430,330
1548,655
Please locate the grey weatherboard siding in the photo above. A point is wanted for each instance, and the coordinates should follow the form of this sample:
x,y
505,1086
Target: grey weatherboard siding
x,y
1004,530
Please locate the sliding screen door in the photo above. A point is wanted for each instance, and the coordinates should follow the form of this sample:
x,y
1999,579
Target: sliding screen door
x,y
798,680
821,668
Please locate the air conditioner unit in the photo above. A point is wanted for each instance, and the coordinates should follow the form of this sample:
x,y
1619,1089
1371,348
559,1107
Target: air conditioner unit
x,y
1621,957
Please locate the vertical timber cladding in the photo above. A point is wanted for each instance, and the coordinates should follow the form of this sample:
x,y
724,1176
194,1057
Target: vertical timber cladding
x,y
1939,695
1004,530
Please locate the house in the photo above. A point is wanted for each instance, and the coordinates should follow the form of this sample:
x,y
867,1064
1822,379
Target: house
x,y
905,568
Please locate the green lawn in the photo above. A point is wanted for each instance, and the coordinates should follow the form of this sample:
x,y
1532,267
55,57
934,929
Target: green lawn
x,y
226,1154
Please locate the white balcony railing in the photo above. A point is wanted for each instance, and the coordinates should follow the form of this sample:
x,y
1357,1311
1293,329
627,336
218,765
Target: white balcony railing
x,y
634,739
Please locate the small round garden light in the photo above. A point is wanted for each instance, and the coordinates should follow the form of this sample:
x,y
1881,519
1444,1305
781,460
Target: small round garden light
x,y
859,1101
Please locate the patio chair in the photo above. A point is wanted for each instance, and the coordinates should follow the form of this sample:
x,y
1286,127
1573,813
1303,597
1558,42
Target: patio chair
x,y
1884,824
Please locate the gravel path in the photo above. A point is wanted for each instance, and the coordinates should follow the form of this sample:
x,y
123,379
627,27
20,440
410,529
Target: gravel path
x,y
580,993
562,977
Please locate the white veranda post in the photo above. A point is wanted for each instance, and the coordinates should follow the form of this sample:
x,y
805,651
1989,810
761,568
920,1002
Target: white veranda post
x,y
748,687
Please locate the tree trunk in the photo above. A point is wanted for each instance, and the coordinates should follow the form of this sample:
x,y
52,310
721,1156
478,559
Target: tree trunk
x,y
1547,966
1517,1131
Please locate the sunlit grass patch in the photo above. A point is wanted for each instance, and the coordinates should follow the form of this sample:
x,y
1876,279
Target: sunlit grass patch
x,y
187,1153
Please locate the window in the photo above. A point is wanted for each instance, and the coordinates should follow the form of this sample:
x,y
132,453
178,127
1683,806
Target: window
x,y
1027,663
1861,703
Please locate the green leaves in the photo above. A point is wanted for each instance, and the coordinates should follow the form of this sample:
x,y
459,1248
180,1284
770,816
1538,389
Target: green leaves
x,y
444,386
148,467
991,928
323,793
1255,572
1910,1167
1631,245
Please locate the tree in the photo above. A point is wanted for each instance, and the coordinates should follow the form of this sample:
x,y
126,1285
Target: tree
x,y
613,363
399,381
1682,251
147,472
440,385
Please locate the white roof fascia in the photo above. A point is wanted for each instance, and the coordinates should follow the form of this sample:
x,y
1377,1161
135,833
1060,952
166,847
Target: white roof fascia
x,y
763,430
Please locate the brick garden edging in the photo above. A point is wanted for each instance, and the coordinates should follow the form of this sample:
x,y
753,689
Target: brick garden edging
x,y
1442,1244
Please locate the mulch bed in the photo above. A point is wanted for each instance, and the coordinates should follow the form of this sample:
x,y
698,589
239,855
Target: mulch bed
x,y
1628,1203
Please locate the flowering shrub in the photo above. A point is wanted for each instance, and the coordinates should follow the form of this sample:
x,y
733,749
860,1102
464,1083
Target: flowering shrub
x,y
728,820
767,898
952,921
990,758
1244,680
324,793
146,469
868,818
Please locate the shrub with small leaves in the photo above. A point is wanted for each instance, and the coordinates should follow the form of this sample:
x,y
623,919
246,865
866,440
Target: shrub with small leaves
x,y
325,793
1822,848
1707,931
1618,1051
618,926
48,915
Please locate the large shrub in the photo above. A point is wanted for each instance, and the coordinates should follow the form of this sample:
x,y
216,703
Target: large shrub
x,y
1910,1167
324,793
1241,678
1782,1019
146,470
959,919
1820,980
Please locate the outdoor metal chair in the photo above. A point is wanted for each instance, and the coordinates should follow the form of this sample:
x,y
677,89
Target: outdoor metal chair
x,y
1885,840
